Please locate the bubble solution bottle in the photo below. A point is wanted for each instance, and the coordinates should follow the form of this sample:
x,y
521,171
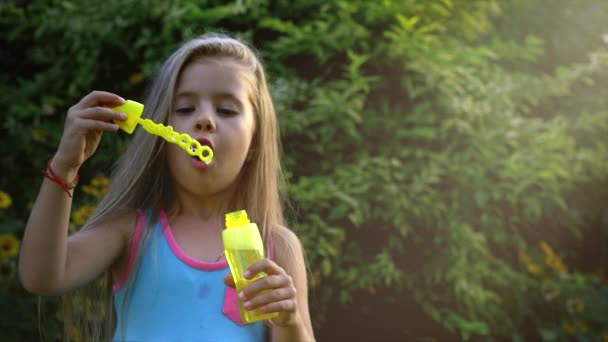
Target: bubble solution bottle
x,y
244,247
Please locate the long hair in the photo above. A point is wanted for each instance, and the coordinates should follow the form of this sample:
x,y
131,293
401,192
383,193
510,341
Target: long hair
x,y
141,178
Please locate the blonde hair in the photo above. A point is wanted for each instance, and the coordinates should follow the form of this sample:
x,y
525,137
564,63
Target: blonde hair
x,y
142,179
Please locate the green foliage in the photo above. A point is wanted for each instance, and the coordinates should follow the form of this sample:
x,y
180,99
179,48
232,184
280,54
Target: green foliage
x,y
448,154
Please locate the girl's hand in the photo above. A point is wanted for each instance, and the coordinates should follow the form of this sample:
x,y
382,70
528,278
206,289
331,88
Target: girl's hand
x,y
273,293
84,125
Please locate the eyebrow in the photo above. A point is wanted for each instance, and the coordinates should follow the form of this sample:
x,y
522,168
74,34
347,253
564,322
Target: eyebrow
x,y
215,96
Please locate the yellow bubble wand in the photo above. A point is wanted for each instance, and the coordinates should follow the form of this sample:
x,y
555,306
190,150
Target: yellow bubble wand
x,y
133,110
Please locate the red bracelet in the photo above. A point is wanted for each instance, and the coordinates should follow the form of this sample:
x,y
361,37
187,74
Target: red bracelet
x,y
48,173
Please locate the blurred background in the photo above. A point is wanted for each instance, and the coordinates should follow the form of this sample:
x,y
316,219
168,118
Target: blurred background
x,y
447,159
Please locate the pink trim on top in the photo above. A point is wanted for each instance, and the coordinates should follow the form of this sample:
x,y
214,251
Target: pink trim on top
x,y
139,230
179,252
231,306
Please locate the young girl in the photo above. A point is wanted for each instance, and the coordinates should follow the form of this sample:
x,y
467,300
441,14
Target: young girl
x,y
158,230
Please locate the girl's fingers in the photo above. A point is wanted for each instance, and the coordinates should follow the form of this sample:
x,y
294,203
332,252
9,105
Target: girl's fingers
x,y
100,98
281,306
266,283
275,292
84,123
102,113
265,265
229,280
273,296
98,125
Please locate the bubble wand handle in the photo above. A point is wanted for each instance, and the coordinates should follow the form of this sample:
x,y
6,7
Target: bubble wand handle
x,y
134,110
183,140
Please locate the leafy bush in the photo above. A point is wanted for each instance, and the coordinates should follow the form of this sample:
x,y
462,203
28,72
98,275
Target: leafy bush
x,y
446,158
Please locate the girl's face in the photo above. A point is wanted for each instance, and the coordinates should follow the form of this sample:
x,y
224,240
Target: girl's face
x,y
212,105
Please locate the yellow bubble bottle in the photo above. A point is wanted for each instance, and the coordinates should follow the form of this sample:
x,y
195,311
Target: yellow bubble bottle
x,y
244,247
133,110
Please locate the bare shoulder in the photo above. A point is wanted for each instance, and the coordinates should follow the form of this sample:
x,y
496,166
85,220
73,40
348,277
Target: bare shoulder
x,y
288,249
117,226
121,222
284,235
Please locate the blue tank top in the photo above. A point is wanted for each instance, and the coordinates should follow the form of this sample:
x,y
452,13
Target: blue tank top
x,y
175,297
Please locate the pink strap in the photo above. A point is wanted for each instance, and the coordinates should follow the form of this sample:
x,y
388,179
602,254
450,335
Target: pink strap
x,y
137,236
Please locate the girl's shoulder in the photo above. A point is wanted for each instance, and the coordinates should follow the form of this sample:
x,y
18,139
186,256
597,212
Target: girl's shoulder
x,y
123,221
284,235
117,222
287,248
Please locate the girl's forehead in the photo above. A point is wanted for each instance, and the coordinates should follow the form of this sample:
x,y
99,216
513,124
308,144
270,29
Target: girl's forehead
x,y
210,76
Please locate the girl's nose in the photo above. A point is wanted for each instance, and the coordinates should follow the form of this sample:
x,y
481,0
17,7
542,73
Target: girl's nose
x,y
205,120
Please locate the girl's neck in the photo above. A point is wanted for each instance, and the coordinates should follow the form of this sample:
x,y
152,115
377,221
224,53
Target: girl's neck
x,y
204,207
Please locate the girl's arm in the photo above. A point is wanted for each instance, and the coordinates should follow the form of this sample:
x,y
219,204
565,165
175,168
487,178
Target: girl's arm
x,y
289,255
51,263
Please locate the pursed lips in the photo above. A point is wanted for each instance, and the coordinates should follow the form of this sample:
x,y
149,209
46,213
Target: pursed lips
x,y
199,164
205,142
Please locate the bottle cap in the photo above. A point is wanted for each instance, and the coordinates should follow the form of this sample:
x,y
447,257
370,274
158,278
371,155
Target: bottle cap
x,y
237,219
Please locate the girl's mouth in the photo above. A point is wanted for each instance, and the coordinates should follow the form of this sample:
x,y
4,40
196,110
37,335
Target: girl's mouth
x,y
196,161
199,164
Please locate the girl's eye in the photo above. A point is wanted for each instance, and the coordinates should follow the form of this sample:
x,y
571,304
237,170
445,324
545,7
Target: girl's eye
x,y
226,112
184,110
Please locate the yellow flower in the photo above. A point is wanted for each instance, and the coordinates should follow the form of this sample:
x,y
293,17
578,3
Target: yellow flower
x,y
99,186
582,326
39,134
569,328
75,334
59,314
82,215
575,305
560,267
91,190
524,257
136,78
533,269
9,245
102,183
552,259
5,200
